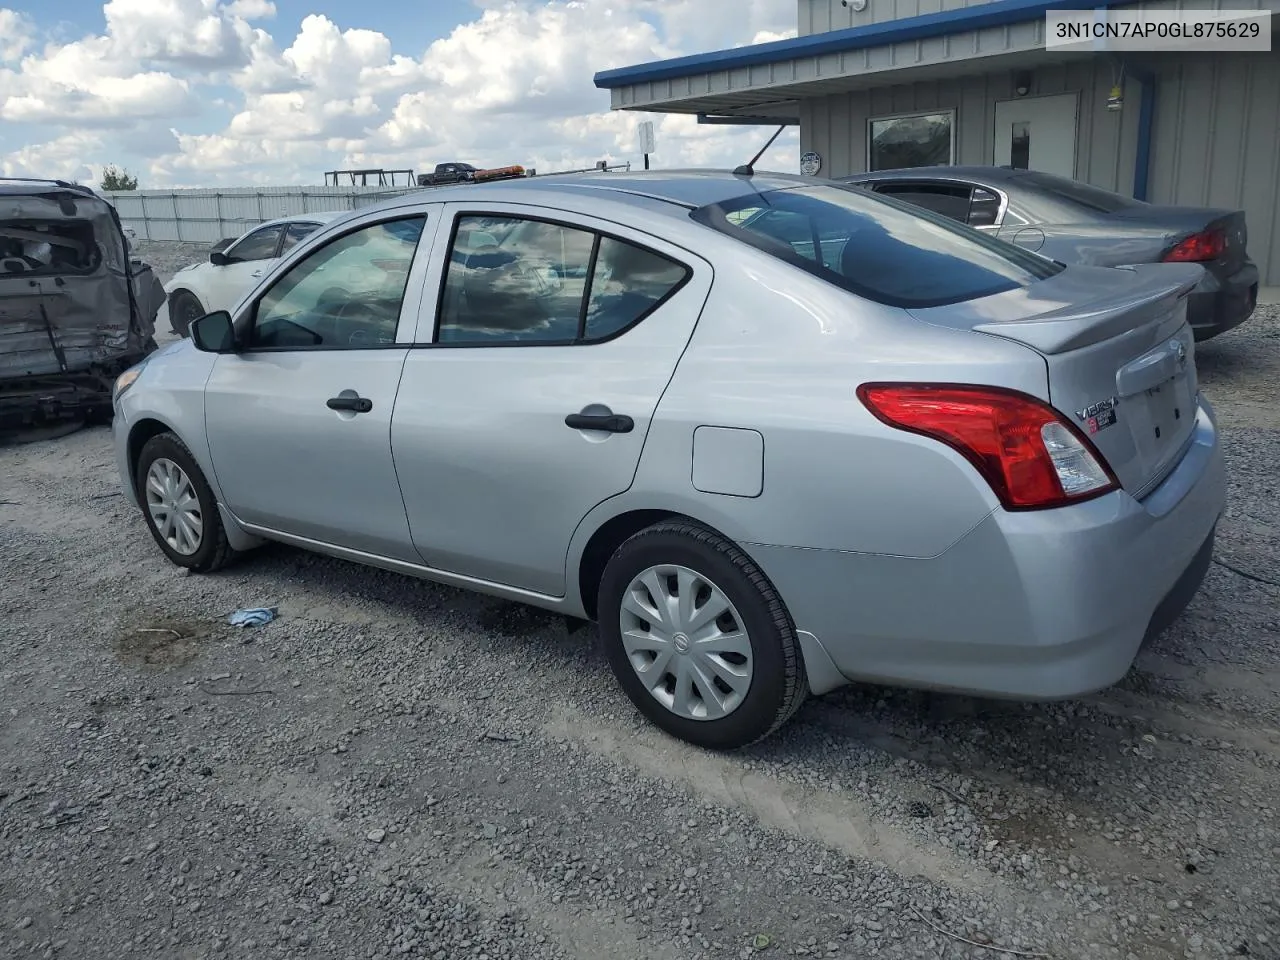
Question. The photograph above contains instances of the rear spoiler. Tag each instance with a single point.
(1068, 328)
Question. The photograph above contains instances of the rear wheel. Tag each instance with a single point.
(698, 637)
(179, 506)
(184, 309)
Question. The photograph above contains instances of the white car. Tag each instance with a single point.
(222, 281)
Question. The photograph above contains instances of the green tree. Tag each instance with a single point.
(116, 179)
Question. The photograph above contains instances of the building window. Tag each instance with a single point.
(1020, 146)
(911, 140)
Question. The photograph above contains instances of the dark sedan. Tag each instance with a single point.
(1073, 222)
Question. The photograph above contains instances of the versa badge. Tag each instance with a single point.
(1100, 415)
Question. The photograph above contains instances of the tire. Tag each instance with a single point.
(184, 309)
(776, 684)
(212, 551)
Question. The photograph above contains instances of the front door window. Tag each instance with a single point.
(345, 295)
(259, 245)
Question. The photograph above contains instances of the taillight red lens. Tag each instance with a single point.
(1199, 248)
(1031, 456)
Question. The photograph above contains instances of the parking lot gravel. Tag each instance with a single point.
(393, 768)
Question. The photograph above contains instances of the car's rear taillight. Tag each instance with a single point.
(1029, 454)
(1199, 247)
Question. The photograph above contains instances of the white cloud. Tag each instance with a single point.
(251, 9)
(514, 85)
(16, 34)
(190, 32)
(61, 159)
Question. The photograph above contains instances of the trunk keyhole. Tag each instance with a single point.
(1177, 414)
(1157, 433)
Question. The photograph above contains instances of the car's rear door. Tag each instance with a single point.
(299, 420)
(553, 340)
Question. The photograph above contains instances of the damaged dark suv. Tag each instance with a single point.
(75, 308)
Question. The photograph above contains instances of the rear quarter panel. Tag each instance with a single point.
(782, 353)
(1103, 246)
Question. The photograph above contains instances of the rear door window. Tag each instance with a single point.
(962, 202)
(877, 247)
(949, 199)
(296, 233)
(513, 280)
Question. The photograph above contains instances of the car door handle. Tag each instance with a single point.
(354, 404)
(608, 422)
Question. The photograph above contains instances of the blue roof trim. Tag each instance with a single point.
(996, 14)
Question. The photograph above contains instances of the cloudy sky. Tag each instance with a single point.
(242, 92)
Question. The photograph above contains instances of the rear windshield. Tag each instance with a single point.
(877, 247)
(1074, 192)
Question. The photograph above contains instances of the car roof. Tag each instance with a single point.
(675, 191)
(309, 217)
(31, 186)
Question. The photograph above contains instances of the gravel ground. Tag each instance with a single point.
(393, 768)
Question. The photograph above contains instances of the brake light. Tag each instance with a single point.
(1199, 247)
(1029, 454)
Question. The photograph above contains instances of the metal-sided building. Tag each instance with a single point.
(875, 84)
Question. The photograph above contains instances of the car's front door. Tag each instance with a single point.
(553, 342)
(299, 419)
(248, 259)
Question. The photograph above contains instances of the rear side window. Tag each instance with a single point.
(513, 280)
(877, 247)
(627, 284)
(984, 207)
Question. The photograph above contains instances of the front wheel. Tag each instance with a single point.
(698, 637)
(184, 309)
(179, 506)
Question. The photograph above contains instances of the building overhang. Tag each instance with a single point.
(765, 82)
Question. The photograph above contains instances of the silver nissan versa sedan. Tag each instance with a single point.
(773, 434)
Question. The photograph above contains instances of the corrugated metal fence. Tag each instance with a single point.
(206, 216)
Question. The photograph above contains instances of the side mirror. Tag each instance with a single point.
(214, 333)
(218, 258)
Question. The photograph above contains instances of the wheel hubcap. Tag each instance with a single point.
(174, 507)
(686, 642)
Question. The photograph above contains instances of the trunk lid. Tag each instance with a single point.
(1119, 354)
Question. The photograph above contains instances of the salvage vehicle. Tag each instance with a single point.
(234, 266)
(75, 308)
(447, 173)
(909, 453)
(1077, 223)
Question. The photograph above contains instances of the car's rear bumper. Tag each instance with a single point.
(1036, 605)
(1218, 305)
